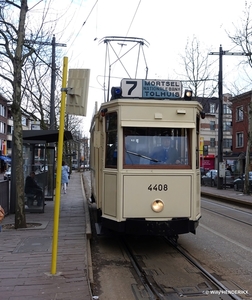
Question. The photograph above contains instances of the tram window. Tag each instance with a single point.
(141, 146)
(111, 140)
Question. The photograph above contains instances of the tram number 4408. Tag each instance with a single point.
(158, 187)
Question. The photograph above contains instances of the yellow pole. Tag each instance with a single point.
(59, 167)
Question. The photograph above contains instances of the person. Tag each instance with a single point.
(2, 213)
(31, 187)
(166, 153)
(69, 173)
(64, 176)
(229, 168)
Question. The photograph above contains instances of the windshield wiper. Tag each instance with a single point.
(143, 156)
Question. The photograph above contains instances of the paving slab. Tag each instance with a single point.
(26, 254)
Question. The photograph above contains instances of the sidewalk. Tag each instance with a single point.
(26, 254)
(228, 194)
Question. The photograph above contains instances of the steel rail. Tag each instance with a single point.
(214, 280)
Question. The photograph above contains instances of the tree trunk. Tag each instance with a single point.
(20, 219)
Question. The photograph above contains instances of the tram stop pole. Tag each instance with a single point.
(59, 167)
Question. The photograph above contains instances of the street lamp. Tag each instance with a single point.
(220, 122)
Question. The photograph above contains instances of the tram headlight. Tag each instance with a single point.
(157, 205)
(188, 95)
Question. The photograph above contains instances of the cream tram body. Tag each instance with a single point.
(133, 191)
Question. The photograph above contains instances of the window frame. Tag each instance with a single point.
(227, 125)
(227, 143)
(111, 132)
(212, 142)
(212, 125)
(239, 136)
(212, 108)
(148, 165)
(239, 113)
(227, 110)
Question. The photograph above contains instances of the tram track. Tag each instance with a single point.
(219, 285)
(159, 290)
(146, 269)
(227, 212)
(159, 269)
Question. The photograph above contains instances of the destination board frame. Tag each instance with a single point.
(152, 89)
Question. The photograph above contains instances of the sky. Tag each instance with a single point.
(166, 26)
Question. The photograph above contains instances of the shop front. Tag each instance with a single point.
(207, 162)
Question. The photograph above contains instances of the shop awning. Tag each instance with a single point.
(5, 158)
(235, 156)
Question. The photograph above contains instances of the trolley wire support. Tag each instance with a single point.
(122, 41)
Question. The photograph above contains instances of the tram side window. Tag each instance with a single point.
(111, 140)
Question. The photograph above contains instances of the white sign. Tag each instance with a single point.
(35, 125)
(152, 89)
(222, 168)
(131, 88)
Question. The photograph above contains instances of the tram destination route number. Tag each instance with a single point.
(158, 187)
(152, 89)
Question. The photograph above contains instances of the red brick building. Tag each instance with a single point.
(240, 127)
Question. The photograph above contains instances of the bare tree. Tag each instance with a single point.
(243, 35)
(243, 39)
(19, 59)
(197, 68)
(12, 48)
(36, 100)
(73, 124)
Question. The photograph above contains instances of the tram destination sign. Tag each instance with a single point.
(152, 89)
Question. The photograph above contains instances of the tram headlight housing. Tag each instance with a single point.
(157, 205)
(188, 95)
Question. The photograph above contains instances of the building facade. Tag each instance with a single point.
(209, 133)
(3, 132)
(240, 127)
(6, 129)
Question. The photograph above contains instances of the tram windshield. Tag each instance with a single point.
(156, 147)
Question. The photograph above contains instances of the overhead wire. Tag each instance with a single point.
(83, 23)
(133, 17)
(132, 20)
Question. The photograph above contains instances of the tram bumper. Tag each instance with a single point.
(160, 228)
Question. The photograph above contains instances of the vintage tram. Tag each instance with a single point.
(134, 190)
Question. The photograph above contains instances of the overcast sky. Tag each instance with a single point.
(165, 25)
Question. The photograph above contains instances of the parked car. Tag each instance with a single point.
(239, 182)
(7, 174)
(211, 178)
(74, 164)
(43, 168)
(202, 171)
(228, 180)
(208, 179)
